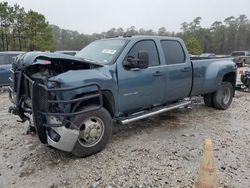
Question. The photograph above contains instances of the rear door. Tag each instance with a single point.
(141, 88)
(178, 71)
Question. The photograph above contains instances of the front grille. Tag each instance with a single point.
(47, 102)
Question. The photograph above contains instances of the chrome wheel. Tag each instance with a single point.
(91, 131)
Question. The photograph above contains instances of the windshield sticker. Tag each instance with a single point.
(108, 51)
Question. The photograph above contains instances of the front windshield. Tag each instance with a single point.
(102, 51)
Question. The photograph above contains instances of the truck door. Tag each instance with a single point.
(141, 88)
(178, 71)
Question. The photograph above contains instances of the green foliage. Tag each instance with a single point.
(24, 31)
(221, 37)
(39, 31)
(193, 45)
(71, 40)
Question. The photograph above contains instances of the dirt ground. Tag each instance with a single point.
(162, 151)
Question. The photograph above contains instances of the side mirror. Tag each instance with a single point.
(134, 63)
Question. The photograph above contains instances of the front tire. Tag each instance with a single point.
(222, 98)
(95, 130)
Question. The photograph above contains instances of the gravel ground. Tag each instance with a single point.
(162, 151)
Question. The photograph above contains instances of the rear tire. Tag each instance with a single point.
(95, 130)
(223, 96)
(208, 100)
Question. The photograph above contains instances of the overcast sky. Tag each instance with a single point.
(89, 16)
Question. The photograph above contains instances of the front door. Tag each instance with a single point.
(141, 88)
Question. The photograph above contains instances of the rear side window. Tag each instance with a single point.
(11, 58)
(2, 59)
(173, 52)
(235, 54)
(150, 47)
(7, 58)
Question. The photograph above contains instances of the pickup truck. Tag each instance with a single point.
(241, 58)
(74, 101)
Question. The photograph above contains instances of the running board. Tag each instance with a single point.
(145, 114)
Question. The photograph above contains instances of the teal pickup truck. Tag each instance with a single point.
(74, 100)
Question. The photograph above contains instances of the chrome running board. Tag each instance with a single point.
(158, 110)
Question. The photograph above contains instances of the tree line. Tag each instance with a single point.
(27, 31)
(220, 38)
(23, 31)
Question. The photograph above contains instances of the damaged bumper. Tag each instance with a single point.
(62, 138)
(51, 112)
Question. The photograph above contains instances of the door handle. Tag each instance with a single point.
(186, 69)
(157, 73)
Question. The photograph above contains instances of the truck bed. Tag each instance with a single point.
(204, 72)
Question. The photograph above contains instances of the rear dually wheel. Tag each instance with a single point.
(222, 98)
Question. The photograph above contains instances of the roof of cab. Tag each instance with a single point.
(138, 37)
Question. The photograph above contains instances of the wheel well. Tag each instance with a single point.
(108, 102)
(231, 78)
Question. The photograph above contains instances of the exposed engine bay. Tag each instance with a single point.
(42, 70)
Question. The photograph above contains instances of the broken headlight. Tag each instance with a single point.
(53, 84)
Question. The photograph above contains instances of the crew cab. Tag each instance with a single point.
(75, 101)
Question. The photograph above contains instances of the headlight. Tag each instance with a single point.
(53, 84)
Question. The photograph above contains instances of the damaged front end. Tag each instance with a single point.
(38, 93)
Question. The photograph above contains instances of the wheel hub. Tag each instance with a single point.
(91, 131)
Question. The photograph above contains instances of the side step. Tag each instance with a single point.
(145, 114)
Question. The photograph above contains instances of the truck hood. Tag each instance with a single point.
(79, 77)
(104, 76)
(25, 60)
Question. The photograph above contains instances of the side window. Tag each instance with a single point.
(150, 47)
(2, 59)
(173, 52)
(11, 58)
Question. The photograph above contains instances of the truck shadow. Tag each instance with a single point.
(169, 121)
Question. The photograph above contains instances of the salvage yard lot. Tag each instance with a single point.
(162, 151)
